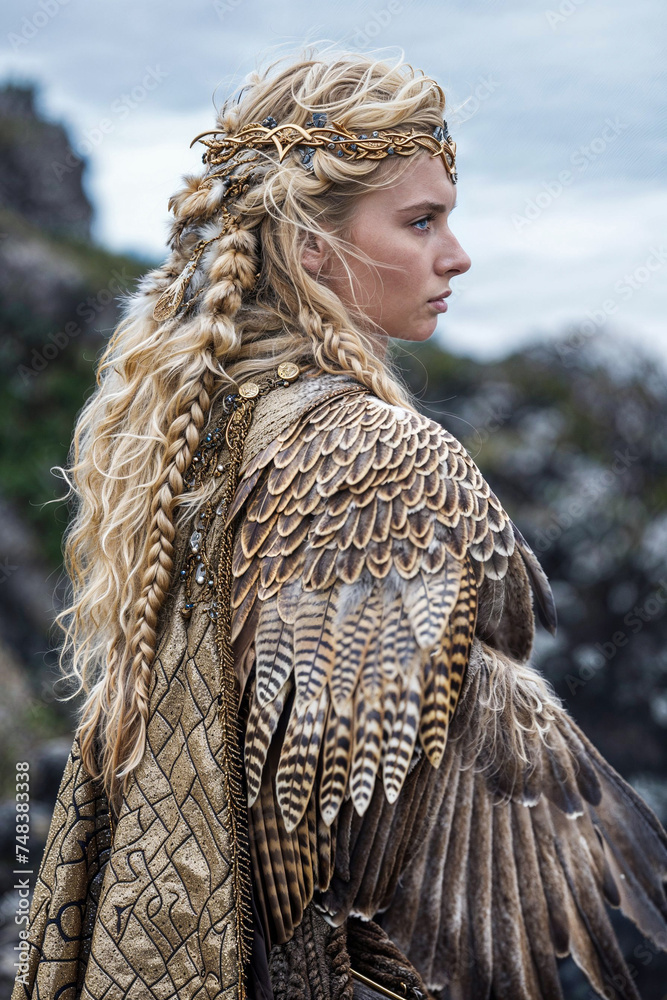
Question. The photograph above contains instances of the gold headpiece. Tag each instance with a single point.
(316, 134)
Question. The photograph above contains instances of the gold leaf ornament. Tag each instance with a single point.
(172, 298)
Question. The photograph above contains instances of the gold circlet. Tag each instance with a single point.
(332, 136)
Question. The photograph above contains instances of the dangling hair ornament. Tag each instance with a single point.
(316, 134)
(172, 298)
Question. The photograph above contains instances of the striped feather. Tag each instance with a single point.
(399, 748)
(314, 643)
(262, 723)
(274, 653)
(354, 633)
(336, 760)
(299, 756)
(429, 600)
(369, 717)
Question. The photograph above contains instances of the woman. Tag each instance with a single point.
(313, 755)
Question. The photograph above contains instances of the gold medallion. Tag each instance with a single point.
(288, 370)
(249, 390)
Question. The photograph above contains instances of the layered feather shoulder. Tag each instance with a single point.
(367, 536)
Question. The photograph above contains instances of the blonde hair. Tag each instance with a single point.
(253, 306)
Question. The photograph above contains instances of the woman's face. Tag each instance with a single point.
(405, 230)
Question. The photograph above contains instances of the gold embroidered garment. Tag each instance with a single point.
(396, 760)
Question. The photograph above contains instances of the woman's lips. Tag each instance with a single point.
(438, 304)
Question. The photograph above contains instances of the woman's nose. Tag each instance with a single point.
(465, 261)
(454, 258)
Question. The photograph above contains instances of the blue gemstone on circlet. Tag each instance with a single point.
(269, 122)
(390, 150)
(353, 147)
(363, 136)
(319, 119)
(375, 134)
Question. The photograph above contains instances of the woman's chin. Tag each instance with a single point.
(418, 332)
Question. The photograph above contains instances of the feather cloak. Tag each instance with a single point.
(403, 760)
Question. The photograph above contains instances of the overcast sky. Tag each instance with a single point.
(557, 108)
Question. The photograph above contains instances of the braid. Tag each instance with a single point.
(337, 344)
(231, 272)
(158, 559)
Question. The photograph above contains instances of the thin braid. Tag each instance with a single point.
(183, 439)
(230, 272)
(338, 345)
(186, 432)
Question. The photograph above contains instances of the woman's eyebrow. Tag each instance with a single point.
(427, 206)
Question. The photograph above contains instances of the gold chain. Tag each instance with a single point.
(241, 406)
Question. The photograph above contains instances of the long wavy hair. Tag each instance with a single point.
(254, 305)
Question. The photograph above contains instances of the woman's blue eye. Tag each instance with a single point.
(427, 218)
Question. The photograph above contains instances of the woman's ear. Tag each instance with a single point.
(314, 254)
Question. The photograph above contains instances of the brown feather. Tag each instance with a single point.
(299, 757)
